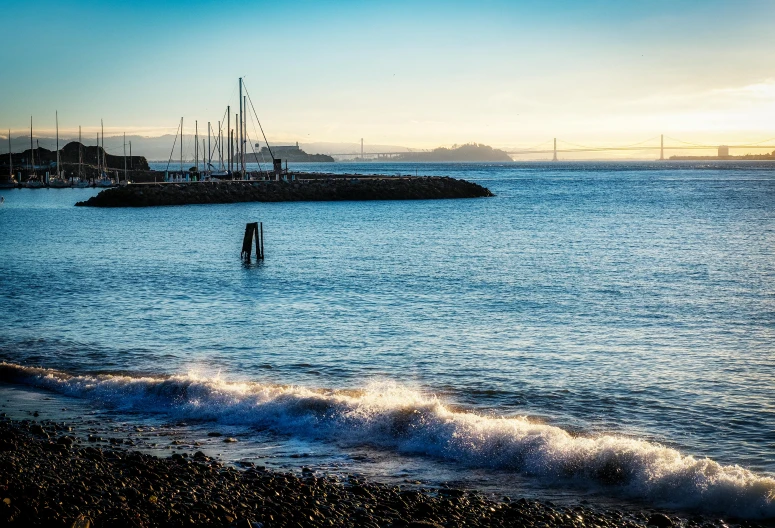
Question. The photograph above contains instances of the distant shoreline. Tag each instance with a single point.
(747, 157)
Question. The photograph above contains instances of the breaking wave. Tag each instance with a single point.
(394, 417)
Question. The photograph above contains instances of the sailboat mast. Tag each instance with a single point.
(104, 157)
(244, 134)
(220, 147)
(80, 152)
(99, 172)
(10, 156)
(209, 152)
(56, 116)
(32, 151)
(239, 134)
(125, 158)
(228, 133)
(181, 147)
(196, 144)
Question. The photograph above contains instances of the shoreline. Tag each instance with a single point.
(53, 472)
(51, 477)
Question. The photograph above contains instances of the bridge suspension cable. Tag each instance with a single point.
(598, 148)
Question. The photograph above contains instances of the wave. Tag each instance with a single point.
(394, 417)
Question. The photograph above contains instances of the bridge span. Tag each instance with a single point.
(722, 150)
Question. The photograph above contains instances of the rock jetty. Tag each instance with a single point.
(50, 475)
(313, 189)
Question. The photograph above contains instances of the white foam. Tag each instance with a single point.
(394, 417)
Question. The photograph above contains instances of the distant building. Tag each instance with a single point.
(723, 151)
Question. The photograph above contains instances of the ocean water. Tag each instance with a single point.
(594, 326)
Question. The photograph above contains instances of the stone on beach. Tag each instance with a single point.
(83, 486)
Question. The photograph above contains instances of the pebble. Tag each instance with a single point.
(80, 485)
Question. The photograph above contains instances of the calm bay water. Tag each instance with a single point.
(630, 304)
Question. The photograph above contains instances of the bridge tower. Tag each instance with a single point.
(555, 150)
(662, 147)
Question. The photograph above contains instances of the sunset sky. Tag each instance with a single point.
(420, 74)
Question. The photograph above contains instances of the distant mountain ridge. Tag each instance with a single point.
(160, 148)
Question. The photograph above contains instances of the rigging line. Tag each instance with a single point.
(257, 119)
(261, 152)
(247, 136)
(214, 149)
(231, 97)
(252, 146)
(173, 148)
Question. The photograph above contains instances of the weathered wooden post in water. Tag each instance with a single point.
(252, 229)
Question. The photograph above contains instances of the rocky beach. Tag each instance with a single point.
(305, 188)
(54, 473)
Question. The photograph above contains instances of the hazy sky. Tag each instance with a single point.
(420, 74)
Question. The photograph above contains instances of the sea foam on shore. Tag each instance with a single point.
(394, 417)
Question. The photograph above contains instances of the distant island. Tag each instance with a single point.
(292, 153)
(468, 152)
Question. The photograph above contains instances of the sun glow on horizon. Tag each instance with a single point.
(505, 74)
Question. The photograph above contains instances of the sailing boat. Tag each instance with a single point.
(58, 181)
(104, 180)
(11, 182)
(32, 182)
(80, 182)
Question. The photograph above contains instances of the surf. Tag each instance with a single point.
(393, 417)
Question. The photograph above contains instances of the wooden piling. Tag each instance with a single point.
(251, 230)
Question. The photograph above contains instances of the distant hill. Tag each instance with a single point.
(69, 153)
(158, 148)
(292, 153)
(468, 152)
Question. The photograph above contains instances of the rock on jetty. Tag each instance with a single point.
(50, 476)
(314, 189)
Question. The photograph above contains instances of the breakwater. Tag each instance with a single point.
(312, 189)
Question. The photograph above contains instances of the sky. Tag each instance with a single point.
(511, 74)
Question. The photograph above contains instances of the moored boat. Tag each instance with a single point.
(11, 182)
(34, 183)
(104, 182)
(59, 183)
